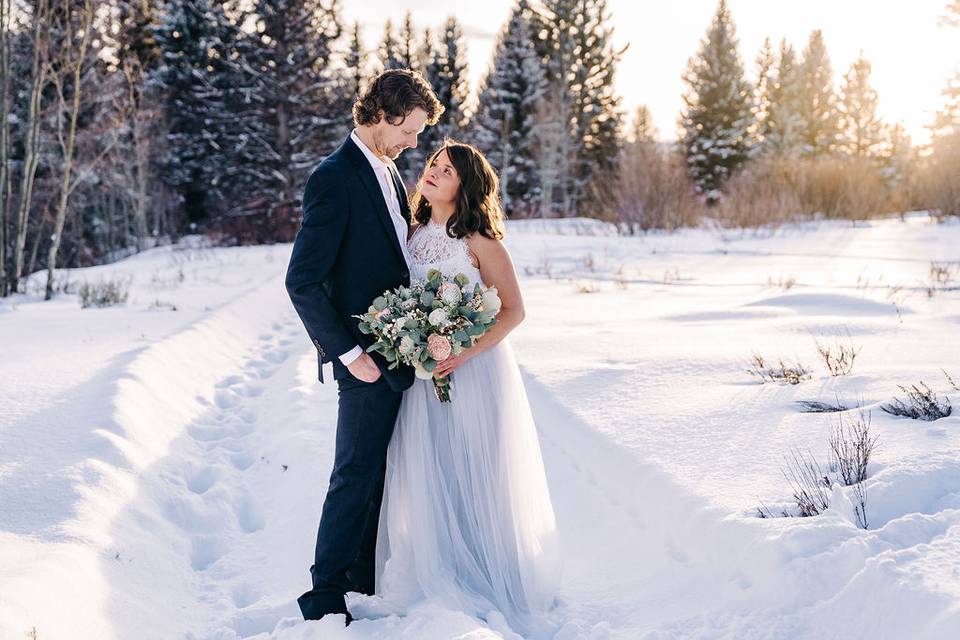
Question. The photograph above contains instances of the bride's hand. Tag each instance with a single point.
(446, 367)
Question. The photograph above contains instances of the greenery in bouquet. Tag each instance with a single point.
(423, 324)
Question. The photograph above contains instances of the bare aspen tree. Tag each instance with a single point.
(138, 117)
(42, 22)
(70, 61)
(5, 179)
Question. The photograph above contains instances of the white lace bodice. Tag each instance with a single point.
(431, 248)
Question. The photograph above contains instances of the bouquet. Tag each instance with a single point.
(424, 323)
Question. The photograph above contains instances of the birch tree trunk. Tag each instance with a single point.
(41, 28)
(76, 61)
(5, 179)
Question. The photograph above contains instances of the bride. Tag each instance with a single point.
(466, 520)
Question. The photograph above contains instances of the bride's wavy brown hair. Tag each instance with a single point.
(477, 208)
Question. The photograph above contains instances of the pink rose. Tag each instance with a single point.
(439, 347)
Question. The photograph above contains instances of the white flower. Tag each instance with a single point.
(420, 372)
(491, 301)
(406, 345)
(450, 293)
(438, 317)
(398, 324)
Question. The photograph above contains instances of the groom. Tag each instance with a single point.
(351, 247)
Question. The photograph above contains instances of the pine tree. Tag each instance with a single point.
(411, 163)
(579, 124)
(766, 63)
(291, 111)
(502, 127)
(197, 43)
(597, 116)
(446, 72)
(782, 125)
(448, 76)
(946, 127)
(944, 163)
(862, 130)
(135, 38)
(642, 128)
(356, 61)
(817, 99)
(947, 121)
(718, 103)
(896, 157)
(407, 47)
(389, 50)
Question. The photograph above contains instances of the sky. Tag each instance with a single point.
(911, 54)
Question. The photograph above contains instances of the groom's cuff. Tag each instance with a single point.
(351, 355)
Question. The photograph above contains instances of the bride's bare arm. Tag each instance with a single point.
(496, 269)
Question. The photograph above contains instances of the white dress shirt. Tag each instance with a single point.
(390, 197)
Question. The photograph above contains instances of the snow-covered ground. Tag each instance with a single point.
(152, 460)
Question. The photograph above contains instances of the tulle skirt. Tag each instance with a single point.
(467, 520)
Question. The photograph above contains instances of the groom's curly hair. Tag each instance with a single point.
(397, 92)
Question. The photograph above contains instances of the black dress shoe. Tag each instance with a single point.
(314, 605)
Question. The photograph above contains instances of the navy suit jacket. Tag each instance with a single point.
(346, 253)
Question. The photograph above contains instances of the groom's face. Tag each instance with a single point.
(392, 139)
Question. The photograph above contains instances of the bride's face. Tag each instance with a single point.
(440, 181)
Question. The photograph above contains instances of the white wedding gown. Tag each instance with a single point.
(467, 520)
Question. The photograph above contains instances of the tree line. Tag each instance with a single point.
(785, 142)
(125, 123)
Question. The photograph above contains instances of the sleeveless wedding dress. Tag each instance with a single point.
(466, 520)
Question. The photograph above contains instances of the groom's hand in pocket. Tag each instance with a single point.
(364, 368)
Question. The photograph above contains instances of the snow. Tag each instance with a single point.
(152, 461)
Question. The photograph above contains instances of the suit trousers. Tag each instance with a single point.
(346, 539)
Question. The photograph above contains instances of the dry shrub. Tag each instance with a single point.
(849, 188)
(759, 194)
(938, 186)
(922, 404)
(838, 357)
(654, 191)
(107, 293)
(774, 190)
(781, 372)
(852, 445)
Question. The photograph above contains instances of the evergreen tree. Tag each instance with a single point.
(502, 127)
(643, 129)
(862, 130)
(946, 127)
(896, 157)
(291, 111)
(407, 47)
(782, 124)
(578, 128)
(944, 163)
(389, 50)
(447, 74)
(196, 41)
(718, 107)
(946, 124)
(766, 64)
(429, 62)
(356, 61)
(135, 38)
(817, 99)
